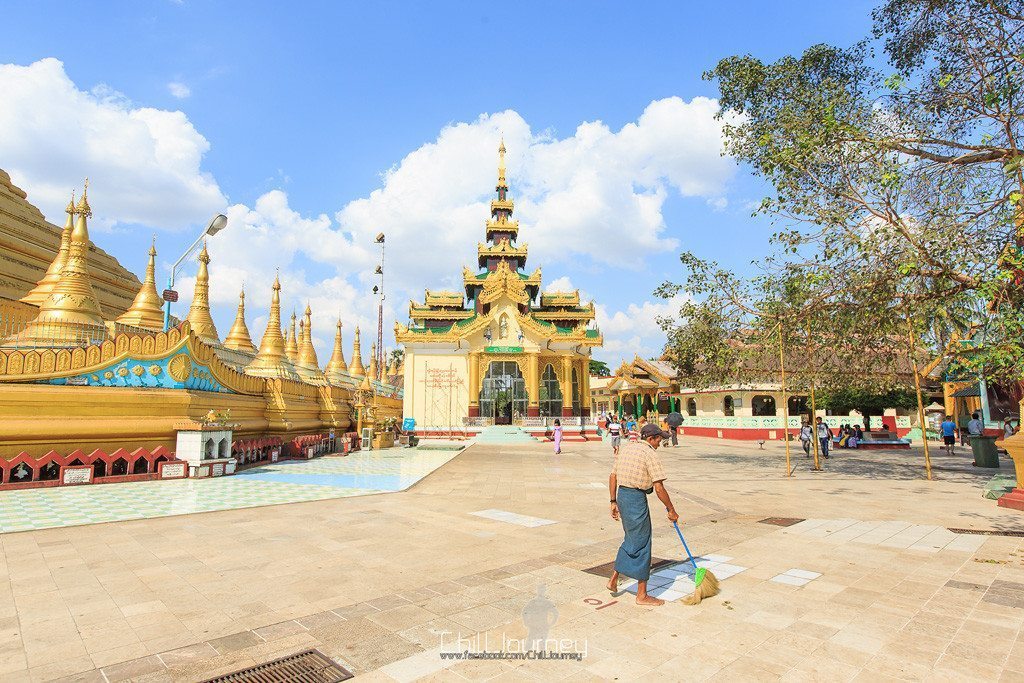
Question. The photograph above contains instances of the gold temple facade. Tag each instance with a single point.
(500, 352)
(89, 366)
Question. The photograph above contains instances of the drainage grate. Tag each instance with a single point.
(311, 666)
(988, 532)
(606, 569)
(780, 521)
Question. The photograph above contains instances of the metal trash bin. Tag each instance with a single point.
(985, 453)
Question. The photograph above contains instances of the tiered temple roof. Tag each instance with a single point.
(502, 273)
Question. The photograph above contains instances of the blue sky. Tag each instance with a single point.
(293, 114)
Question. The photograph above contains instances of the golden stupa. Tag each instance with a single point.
(70, 314)
(271, 361)
(308, 365)
(238, 336)
(336, 366)
(147, 309)
(199, 314)
(291, 344)
(43, 288)
(356, 368)
(373, 371)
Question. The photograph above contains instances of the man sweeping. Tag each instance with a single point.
(636, 473)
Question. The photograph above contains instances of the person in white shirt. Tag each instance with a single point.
(614, 428)
(806, 434)
(824, 436)
(975, 427)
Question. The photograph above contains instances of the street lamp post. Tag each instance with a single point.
(215, 225)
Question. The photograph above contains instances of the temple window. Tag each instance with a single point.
(727, 406)
(141, 466)
(797, 405)
(99, 469)
(691, 407)
(49, 471)
(119, 467)
(575, 392)
(21, 472)
(763, 406)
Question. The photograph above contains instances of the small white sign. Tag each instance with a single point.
(76, 475)
(172, 470)
(218, 469)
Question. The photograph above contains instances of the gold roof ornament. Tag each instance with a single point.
(43, 288)
(238, 336)
(291, 344)
(501, 164)
(336, 366)
(374, 372)
(147, 309)
(199, 314)
(308, 366)
(70, 315)
(504, 282)
(355, 368)
(271, 361)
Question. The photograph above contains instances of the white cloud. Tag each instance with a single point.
(574, 196)
(143, 164)
(179, 90)
(562, 284)
(634, 331)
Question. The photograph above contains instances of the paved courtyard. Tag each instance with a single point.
(873, 577)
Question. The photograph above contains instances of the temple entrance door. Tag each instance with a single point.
(503, 396)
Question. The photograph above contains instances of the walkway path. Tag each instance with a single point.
(381, 583)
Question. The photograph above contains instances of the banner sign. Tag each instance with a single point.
(503, 349)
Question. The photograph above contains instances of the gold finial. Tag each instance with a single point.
(44, 286)
(238, 336)
(374, 370)
(356, 368)
(336, 365)
(308, 365)
(501, 162)
(199, 314)
(83, 203)
(147, 308)
(291, 344)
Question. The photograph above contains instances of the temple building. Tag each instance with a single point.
(93, 388)
(501, 351)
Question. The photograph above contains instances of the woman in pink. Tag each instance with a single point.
(558, 437)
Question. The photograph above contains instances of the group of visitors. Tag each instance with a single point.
(850, 436)
(974, 427)
(823, 433)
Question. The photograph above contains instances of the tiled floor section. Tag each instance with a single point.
(923, 537)
(284, 482)
(377, 581)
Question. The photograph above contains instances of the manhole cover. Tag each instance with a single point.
(780, 521)
(311, 666)
(988, 532)
(606, 569)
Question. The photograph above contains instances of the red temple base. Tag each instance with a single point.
(532, 411)
(1013, 500)
(474, 411)
(567, 412)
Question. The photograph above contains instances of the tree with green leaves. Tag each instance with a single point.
(897, 190)
(598, 368)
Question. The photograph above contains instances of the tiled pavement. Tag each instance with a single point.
(272, 484)
(375, 581)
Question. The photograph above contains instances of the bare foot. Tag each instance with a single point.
(649, 601)
(613, 583)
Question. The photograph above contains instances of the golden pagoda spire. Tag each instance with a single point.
(199, 314)
(147, 309)
(43, 288)
(374, 370)
(308, 365)
(238, 336)
(356, 368)
(336, 365)
(271, 360)
(501, 163)
(70, 315)
(291, 344)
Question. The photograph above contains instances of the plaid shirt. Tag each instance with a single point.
(638, 466)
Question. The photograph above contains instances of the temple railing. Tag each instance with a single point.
(48, 335)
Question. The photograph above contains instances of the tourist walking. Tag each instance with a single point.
(948, 428)
(637, 472)
(824, 436)
(674, 421)
(558, 437)
(806, 434)
(614, 428)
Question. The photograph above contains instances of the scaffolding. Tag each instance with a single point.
(445, 397)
